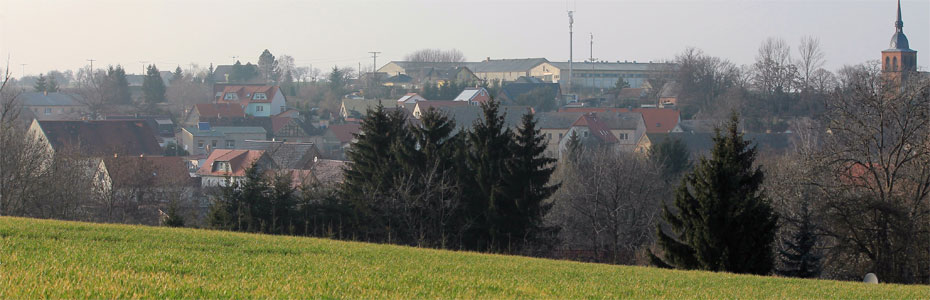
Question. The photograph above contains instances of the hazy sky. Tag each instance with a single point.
(47, 35)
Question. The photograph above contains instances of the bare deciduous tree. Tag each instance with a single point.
(608, 205)
(435, 55)
(810, 59)
(876, 175)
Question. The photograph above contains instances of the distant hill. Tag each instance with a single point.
(55, 259)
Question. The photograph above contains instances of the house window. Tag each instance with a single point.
(624, 136)
(259, 96)
(560, 136)
(586, 133)
(230, 143)
(259, 108)
(48, 111)
(199, 144)
(213, 143)
(231, 96)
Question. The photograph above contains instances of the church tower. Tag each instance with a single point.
(899, 57)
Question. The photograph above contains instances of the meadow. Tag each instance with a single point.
(56, 259)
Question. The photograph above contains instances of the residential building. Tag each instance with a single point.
(411, 98)
(287, 155)
(213, 113)
(338, 137)
(423, 106)
(357, 108)
(474, 96)
(658, 120)
(229, 165)
(201, 139)
(620, 130)
(97, 138)
(53, 106)
(149, 182)
(257, 100)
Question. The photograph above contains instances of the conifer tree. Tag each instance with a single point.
(373, 167)
(52, 85)
(40, 85)
(799, 257)
(489, 141)
(115, 86)
(721, 220)
(174, 217)
(526, 183)
(153, 87)
(673, 155)
(178, 75)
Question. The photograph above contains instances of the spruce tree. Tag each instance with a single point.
(673, 155)
(573, 147)
(373, 168)
(153, 87)
(40, 85)
(526, 183)
(115, 86)
(178, 75)
(52, 86)
(174, 217)
(721, 220)
(490, 149)
(799, 257)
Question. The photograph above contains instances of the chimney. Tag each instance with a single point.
(488, 59)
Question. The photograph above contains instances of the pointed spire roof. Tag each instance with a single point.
(899, 40)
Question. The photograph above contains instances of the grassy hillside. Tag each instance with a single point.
(41, 258)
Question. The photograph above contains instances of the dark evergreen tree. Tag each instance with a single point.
(41, 85)
(153, 87)
(283, 205)
(174, 217)
(721, 220)
(373, 168)
(52, 86)
(673, 155)
(268, 66)
(338, 81)
(243, 73)
(209, 79)
(490, 149)
(178, 75)
(526, 182)
(115, 87)
(800, 257)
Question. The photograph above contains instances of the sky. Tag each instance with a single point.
(41, 35)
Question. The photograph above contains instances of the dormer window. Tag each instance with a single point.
(231, 96)
(259, 96)
(221, 166)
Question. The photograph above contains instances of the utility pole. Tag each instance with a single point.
(143, 67)
(91, 68)
(571, 22)
(374, 64)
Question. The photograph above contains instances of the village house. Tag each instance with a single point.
(201, 139)
(488, 70)
(213, 113)
(618, 130)
(474, 96)
(257, 100)
(53, 106)
(411, 98)
(601, 75)
(337, 138)
(286, 155)
(229, 165)
(658, 120)
(356, 109)
(97, 138)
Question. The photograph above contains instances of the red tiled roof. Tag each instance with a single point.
(345, 132)
(239, 161)
(597, 128)
(245, 93)
(658, 120)
(278, 123)
(102, 137)
(220, 110)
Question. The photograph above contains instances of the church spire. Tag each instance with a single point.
(899, 25)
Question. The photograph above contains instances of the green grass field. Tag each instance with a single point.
(54, 259)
